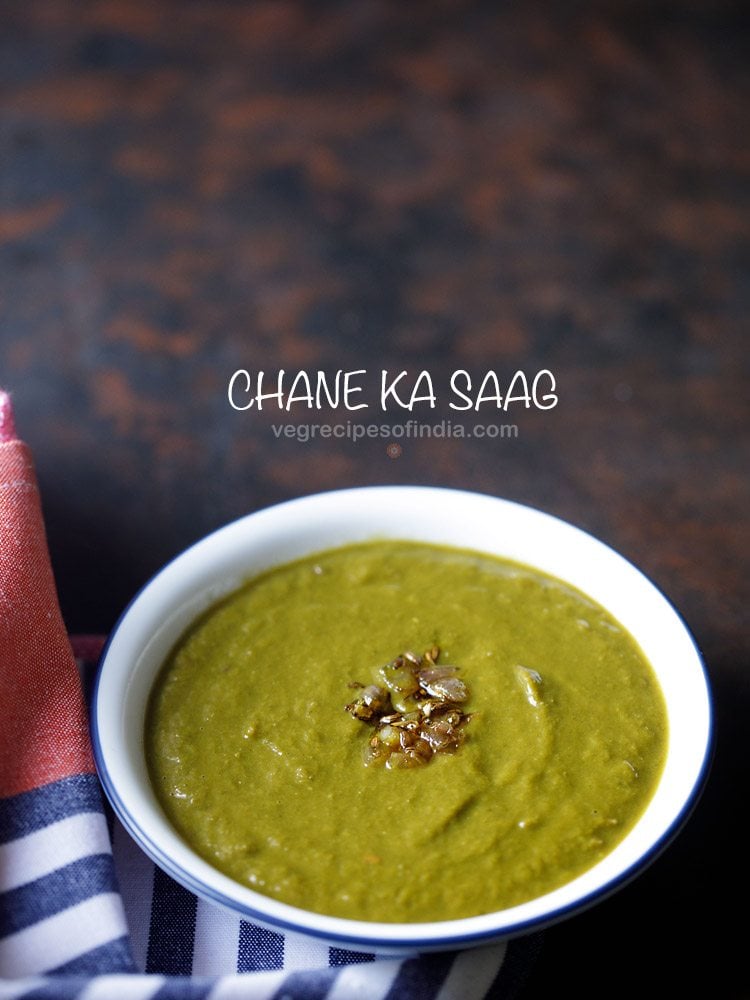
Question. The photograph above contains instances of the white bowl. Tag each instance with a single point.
(221, 562)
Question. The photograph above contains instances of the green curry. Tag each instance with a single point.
(261, 769)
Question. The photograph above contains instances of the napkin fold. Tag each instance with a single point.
(76, 920)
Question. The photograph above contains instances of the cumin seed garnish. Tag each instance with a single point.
(417, 698)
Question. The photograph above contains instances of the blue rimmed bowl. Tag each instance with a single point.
(221, 562)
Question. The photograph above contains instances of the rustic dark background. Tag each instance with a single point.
(193, 187)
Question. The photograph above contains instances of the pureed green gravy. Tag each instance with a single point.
(259, 767)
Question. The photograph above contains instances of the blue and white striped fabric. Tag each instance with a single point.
(85, 915)
(60, 908)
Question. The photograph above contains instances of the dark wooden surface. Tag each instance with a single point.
(190, 188)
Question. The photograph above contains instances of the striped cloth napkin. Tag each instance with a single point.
(83, 912)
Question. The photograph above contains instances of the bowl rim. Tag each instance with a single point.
(371, 935)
